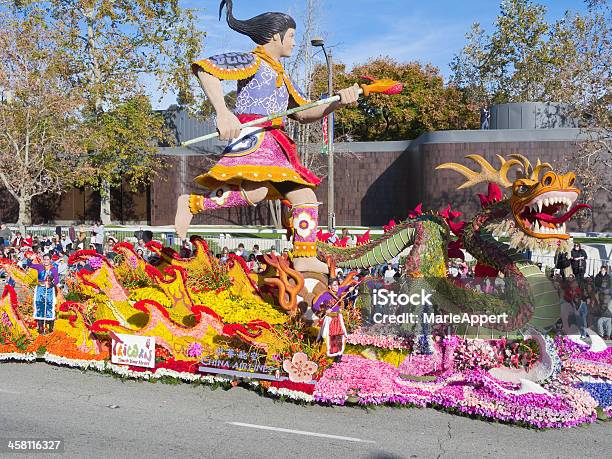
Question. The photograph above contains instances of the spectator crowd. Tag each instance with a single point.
(589, 298)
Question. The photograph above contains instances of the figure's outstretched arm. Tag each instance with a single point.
(348, 96)
(227, 123)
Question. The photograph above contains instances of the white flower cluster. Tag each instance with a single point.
(98, 365)
(124, 371)
(18, 356)
(292, 394)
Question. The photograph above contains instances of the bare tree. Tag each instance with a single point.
(582, 78)
(308, 137)
(41, 135)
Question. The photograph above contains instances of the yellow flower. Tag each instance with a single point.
(237, 309)
(150, 293)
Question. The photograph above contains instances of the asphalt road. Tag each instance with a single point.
(100, 416)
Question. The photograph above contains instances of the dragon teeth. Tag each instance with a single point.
(539, 203)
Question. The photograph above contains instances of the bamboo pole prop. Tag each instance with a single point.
(388, 87)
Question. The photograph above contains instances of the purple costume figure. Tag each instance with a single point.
(333, 330)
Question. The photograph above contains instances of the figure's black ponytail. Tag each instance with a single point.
(261, 28)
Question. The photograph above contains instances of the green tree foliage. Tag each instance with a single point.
(112, 48)
(121, 131)
(426, 104)
(513, 63)
(41, 132)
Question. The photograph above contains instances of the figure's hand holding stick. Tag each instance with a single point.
(388, 87)
(346, 292)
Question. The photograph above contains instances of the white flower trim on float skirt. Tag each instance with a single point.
(124, 371)
(17, 356)
(98, 365)
(291, 394)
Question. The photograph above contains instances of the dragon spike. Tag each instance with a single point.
(487, 172)
(540, 167)
(530, 172)
(524, 161)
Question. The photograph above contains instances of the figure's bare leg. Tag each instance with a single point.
(305, 215)
(248, 194)
(183, 216)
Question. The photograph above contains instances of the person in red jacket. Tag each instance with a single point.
(19, 241)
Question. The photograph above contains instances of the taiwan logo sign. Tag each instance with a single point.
(133, 350)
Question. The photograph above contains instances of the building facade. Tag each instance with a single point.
(374, 181)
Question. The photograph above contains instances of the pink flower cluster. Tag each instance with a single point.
(478, 393)
(476, 353)
(589, 368)
(393, 342)
(6, 320)
(195, 350)
(421, 365)
(604, 357)
(473, 392)
(440, 364)
(578, 359)
(95, 262)
(370, 382)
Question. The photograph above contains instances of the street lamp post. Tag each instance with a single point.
(331, 215)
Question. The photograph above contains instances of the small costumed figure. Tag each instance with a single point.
(329, 307)
(261, 162)
(45, 293)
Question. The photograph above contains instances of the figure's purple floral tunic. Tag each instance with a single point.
(261, 154)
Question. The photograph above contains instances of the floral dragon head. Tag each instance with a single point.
(541, 201)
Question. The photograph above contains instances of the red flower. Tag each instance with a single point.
(418, 210)
(323, 237)
(449, 215)
(494, 195)
(388, 227)
(364, 239)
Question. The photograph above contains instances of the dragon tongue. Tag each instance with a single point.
(563, 218)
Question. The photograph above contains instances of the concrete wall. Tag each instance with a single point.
(375, 181)
(378, 181)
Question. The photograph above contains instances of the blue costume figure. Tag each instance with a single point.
(45, 294)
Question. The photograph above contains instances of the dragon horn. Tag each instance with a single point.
(487, 172)
(540, 167)
(524, 162)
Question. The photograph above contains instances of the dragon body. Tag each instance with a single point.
(529, 217)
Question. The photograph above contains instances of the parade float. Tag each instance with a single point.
(200, 321)
(295, 332)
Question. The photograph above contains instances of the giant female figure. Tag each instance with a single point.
(260, 163)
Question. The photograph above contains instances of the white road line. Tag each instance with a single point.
(2, 391)
(300, 432)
